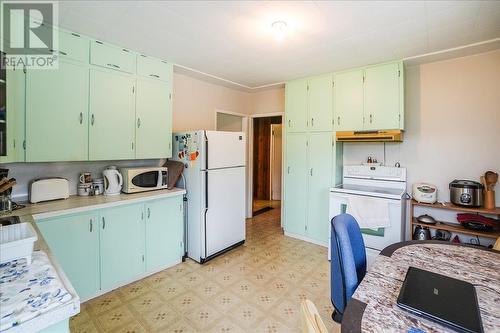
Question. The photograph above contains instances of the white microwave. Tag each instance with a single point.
(144, 179)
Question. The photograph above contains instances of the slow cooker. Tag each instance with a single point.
(466, 193)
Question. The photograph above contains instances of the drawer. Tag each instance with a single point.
(154, 68)
(74, 46)
(112, 57)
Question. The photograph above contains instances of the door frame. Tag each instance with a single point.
(272, 162)
(250, 158)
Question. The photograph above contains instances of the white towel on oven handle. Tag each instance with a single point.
(369, 212)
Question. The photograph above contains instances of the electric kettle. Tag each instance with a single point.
(113, 181)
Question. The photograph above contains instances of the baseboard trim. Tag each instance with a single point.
(306, 239)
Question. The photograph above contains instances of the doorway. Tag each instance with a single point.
(267, 159)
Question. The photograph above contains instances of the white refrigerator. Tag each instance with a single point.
(215, 182)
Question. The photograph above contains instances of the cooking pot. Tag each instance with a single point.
(466, 193)
(421, 233)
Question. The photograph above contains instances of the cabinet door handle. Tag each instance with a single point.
(91, 225)
(113, 65)
(81, 118)
(138, 122)
(338, 120)
(149, 212)
(312, 122)
(92, 120)
(311, 171)
(371, 118)
(288, 170)
(103, 223)
(289, 123)
(154, 75)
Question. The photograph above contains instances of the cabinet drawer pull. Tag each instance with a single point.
(81, 118)
(92, 120)
(154, 75)
(103, 223)
(113, 65)
(75, 34)
(138, 122)
(60, 52)
(90, 225)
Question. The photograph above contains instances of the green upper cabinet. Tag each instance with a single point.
(164, 232)
(57, 113)
(320, 93)
(153, 119)
(122, 244)
(73, 46)
(296, 106)
(112, 57)
(112, 115)
(348, 101)
(296, 172)
(74, 240)
(154, 68)
(383, 106)
(320, 166)
(14, 116)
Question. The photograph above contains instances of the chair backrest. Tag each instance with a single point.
(348, 260)
(311, 320)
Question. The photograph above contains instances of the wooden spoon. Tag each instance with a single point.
(491, 179)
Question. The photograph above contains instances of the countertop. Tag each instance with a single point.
(76, 204)
(73, 204)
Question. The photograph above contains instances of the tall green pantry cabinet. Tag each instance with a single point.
(312, 158)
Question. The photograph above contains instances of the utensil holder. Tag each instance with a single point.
(489, 199)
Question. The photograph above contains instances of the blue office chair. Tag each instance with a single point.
(348, 262)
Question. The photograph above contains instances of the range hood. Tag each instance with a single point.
(370, 136)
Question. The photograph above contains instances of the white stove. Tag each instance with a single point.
(379, 185)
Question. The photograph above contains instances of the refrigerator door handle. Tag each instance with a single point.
(206, 190)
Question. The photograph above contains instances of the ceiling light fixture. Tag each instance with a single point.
(279, 30)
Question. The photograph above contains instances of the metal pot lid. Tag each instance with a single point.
(462, 183)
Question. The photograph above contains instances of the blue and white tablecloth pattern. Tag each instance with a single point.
(28, 291)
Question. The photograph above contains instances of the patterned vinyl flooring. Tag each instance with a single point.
(257, 287)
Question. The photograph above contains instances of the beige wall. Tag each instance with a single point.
(269, 101)
(195, 102)
(452, 111)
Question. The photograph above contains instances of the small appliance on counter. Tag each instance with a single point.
(46, 189)
(424, 192)
(113, 181)
(144, 179)
(466, 193)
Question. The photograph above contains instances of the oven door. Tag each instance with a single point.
(375, 239)
(147, 180)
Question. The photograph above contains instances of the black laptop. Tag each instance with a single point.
(445, 300)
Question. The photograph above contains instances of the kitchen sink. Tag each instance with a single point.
(8, 220)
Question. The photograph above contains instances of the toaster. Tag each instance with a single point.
(46, 189)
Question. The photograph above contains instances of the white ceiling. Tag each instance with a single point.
(232, 39)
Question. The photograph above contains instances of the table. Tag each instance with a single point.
(373, 306)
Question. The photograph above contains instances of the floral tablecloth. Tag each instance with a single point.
(27, 291)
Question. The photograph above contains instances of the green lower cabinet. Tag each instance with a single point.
(295, 200)
(164, 232)
(122, 244)
(320, 166)
(74, 240)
